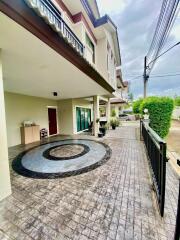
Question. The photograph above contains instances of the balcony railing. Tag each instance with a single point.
(47, 10)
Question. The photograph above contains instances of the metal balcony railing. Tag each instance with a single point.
(47, 10)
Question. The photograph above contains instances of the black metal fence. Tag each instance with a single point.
(156, 151)
(177, 231)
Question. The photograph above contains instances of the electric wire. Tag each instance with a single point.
(168, 14)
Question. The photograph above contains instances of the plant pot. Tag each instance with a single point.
(102, 130)
(100, 135)
(113, 127)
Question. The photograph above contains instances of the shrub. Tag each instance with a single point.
(114, 122)
(177, 101)
(113, 113)
(160, 111)
(136, 106)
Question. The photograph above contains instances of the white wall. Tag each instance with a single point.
(65, 116)
(20, 108)
(101, 57)
(5, 185)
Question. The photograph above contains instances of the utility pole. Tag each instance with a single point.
(145, 76)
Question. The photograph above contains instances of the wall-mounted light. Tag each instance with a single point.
(55, 94)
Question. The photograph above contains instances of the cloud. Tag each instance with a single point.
(136, 21)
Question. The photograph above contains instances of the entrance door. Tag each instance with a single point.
(52, 121)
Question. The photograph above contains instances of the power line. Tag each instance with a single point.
(163, 53)
(157, 76)
(167, 16)
(166, 25)
(166, 31)
(167, 75)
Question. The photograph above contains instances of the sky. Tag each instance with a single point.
(136, 21)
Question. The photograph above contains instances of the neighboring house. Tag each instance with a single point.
(117, 104)
(120, 101)
(57, 60)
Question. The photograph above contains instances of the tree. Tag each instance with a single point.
(130, 96)
(136, 105)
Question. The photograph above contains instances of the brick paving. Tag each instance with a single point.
(112, 202)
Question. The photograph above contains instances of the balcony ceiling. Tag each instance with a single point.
(32, 68)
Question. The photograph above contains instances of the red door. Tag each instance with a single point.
(52, 121)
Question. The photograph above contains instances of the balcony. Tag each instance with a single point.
(46, 10)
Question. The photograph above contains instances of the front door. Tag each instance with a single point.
(52, 121)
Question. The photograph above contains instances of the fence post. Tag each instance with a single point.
(163, 175)
(177, 230)
(141, 138)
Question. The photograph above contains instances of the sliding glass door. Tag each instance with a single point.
(83, 118)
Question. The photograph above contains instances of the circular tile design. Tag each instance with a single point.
(66, 151)
(41, 161)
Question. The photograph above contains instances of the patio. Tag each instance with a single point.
(113, 201)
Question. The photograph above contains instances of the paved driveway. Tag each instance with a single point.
(114, 201)
(173, 138)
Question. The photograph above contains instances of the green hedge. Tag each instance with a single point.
(136, 105)
(160, 111)
(177, 101)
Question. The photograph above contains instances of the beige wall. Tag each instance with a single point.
(5, 185)
(65, 116)
(101, 56)
(20, 108)
(79, 31)
(79, 103)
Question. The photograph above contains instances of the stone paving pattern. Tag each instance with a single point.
(113, 202)
(66, 151)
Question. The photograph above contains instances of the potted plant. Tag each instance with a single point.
(114, 122)
(103, 129)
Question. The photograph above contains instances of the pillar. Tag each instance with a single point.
(95, 115)
(108, 110)
(117, 110)
(5, 184)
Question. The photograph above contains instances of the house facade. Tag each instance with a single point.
(58, 59)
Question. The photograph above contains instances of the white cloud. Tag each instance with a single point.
(136, 21)
(111, 7)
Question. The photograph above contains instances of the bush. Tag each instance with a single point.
(113, 113)
(160, 111)
(114, 122)
(136, 106)
(177, 101)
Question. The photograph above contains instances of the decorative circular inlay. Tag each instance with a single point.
(42, 161)
(66, 151)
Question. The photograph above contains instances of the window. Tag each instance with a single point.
(91, 46)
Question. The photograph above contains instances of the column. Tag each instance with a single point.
(5, 185)
(95, 115)
(108, 110)
(117, 110)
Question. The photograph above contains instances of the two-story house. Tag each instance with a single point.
(57, 60)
